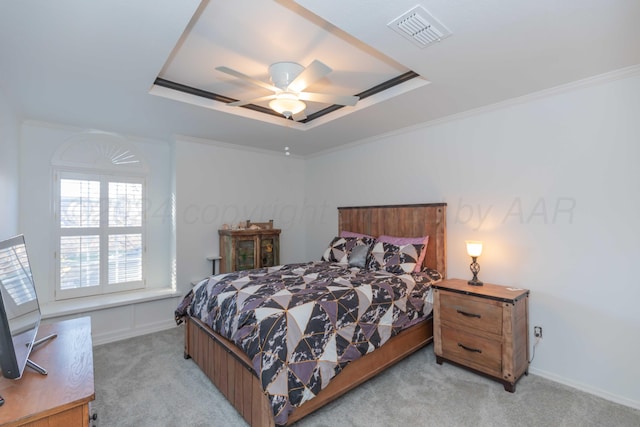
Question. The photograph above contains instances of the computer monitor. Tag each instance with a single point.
(19, 309)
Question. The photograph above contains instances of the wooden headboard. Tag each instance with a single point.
(402, 221)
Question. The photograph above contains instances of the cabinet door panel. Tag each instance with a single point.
(268, 252)
(245, 254)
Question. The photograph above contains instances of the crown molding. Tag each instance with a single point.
(611, 76)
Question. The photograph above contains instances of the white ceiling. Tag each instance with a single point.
(94, 63)
(258, 34)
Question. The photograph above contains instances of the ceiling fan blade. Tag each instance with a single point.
(238, 74)
(250, 101)
(314, 72)
(327, 98)
(299, 116)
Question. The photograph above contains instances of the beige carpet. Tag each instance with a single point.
(145, 381)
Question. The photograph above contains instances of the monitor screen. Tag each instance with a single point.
(19, 309)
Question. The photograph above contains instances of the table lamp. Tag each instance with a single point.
(474, 249)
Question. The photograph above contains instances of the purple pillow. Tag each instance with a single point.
(401, 241)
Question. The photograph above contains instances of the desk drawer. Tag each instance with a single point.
(473, 351)
(471, 312)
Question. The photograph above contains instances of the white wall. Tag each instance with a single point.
(551, 187)
(9, 142)
(210, 184)
(38, 144)
(217, 184)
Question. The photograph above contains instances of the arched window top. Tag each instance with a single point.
(98, 150)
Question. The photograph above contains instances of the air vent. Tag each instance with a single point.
(418, 26)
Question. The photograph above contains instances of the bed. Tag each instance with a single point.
(233, 371)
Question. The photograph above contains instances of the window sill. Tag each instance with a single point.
(101, 302)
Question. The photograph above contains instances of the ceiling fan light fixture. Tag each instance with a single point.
(287, 104)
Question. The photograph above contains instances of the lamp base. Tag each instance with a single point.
(475, 268)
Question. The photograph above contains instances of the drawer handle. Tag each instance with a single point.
(464, 313)
(473, 350)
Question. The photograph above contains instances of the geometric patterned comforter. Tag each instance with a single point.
(301, 324)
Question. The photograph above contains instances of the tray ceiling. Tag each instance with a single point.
(94, 64)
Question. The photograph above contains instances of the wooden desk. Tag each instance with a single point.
(62, 397)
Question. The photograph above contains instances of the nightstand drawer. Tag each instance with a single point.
(473, 351)
(471, 312)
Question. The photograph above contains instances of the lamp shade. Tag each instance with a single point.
(474, 248)
(287, 103)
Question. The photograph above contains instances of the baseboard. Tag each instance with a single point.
(586, 388)
(112, 336)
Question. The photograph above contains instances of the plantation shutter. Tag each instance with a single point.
(125, 238)
(101, 235)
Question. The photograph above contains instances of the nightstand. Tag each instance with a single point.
(482, 328)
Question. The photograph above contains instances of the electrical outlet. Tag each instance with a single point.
(537, 331)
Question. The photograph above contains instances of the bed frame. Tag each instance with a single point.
(230, 369)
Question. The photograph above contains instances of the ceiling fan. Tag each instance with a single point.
(289, 80)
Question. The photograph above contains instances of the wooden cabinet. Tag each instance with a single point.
(483, 328)
(62, 397)
(247, 249)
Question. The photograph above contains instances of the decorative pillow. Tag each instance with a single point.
(358, 256)
(352, 234)
(393, 258)
(340, 248)
(401, 241)
(428, 275)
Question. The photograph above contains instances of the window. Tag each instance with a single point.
(16, 275)
(101, 234)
